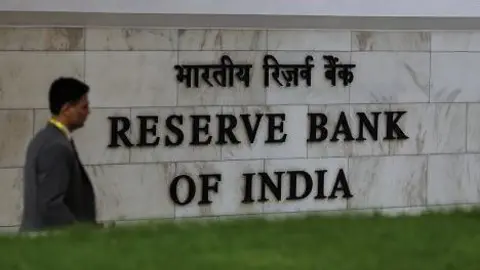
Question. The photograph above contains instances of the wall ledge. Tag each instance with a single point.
(85, 19)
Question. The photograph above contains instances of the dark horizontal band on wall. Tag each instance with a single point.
(16, 18)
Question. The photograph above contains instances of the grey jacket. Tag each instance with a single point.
(57, 189)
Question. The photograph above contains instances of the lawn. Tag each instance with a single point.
(433, 241)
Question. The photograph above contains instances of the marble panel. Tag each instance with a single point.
(292, 128)
(390, 77)
(314, 179)
(25, 77)
(184, 151)
(222, 39)
(319, 92)
(240, 93)
(454, 77)
(455, 41)
(309, 40)
(453, 179)
(92, 139)
(366, 143)
(226, 194)
(130, 79)
(473, 127)
(431, 128)
(41, 39)
(326, 147)
(385, 182)
(353, 137)
(132, 191)
(390, 41)
(11, 196)
(130, 39)
(17, 130)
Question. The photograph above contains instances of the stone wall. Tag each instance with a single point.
(429, 76)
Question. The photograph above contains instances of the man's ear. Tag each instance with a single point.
(65, 108)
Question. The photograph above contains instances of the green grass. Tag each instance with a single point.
(433, 241)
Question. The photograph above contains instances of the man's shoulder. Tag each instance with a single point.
(47, 138)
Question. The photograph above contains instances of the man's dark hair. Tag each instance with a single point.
(65, 90)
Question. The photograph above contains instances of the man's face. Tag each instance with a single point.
(78, 112)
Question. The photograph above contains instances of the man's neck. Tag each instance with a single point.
(61, 124)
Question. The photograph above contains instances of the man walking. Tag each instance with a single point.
(57, 189)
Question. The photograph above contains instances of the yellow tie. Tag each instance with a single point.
(59, 126)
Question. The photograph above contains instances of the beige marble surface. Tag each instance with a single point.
(453, 179)
(344, 146)
(230, 189)
(42, 39)
(383, 182)
(132, 191)
(15, 133)
(238, 94)
(222, 40)
(294, 130)
(473, 127)
(332, 166)
(391, 41)
(25, 77)
(131, 79)
(390, 77)
(130, 39)
(432, 128)
(456, 41)
(183, 152)
(319, 92)
(307, 40)
(10, 197)
(430, 75)
(454, 77)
